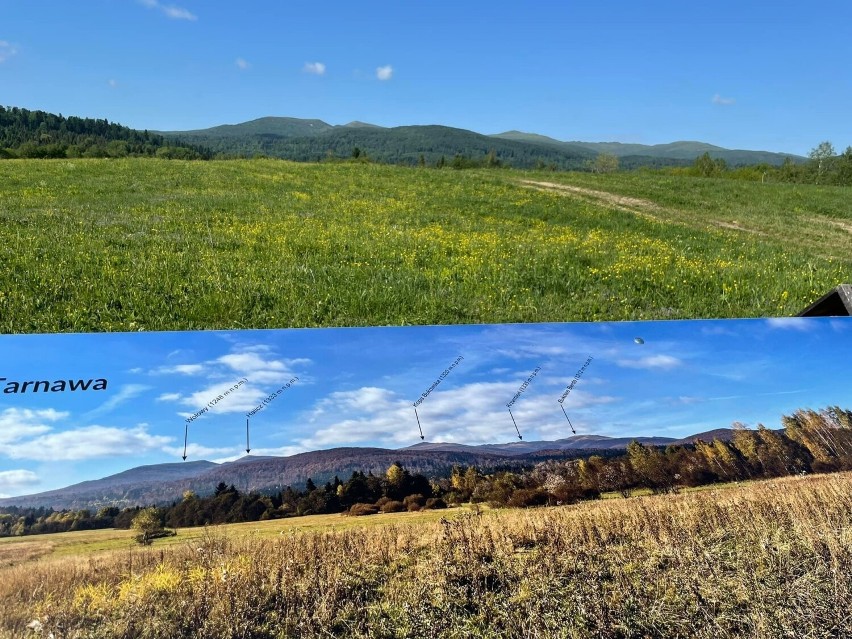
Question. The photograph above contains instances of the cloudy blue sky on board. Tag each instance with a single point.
(357, 387)
(757, 74)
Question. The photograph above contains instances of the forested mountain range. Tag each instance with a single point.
(810, 441)
(314, 140)
(38, 134)
(163, 483)
(682, 150)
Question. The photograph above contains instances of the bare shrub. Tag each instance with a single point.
(393, 507)
(435, 503)
(359, 509)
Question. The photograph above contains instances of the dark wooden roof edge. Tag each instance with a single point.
(836, 303)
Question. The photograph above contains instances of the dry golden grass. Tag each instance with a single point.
(18, 550)
(24, 551)
(772, 559)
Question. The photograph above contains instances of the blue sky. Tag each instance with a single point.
(357, 386)
(757, 74)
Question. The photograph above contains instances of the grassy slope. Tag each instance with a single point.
(126, 245)
(159, 245)
(816, 218)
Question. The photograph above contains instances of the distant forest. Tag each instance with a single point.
(433, 146)
(811, 441)
(825, 167)
(38, 134)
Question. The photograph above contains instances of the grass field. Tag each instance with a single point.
(15, 551)
(100, 245)
(140, 244)
(771, 559)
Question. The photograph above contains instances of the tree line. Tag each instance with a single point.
(825, 166)
(396, 490)
(810, 441)
(38, 134)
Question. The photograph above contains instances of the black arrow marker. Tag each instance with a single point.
(248, 448)
(185, 435)
(515, 423)
(569, 421)
(418, 424)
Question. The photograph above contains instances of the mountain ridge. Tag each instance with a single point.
(313, 139)
(164, 483)
(676, 150)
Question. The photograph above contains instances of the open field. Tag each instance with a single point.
(771, 559)
(141, 244)
(15, 551)
(820, 217)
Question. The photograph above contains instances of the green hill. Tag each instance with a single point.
(681, 150)
(37, 134)
(314, 140)
(284, 127)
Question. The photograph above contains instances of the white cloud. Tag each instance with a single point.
(88, 442)
(182, 369)
(251, 362)
(7, 50)
(241, 400)
(718, 99)
(124, 394)
(17, 478)
(261, 371)
(317, 68)
(20, 423)
(468, 414)
(715, 330)
(524, 343)
(113, 84)
(242, 64)
(178, 13)
(169, 10)
(840, 324)
(803, 324)
(385, 72)
(248, 362)
(664, 362)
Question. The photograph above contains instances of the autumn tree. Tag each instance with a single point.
(147, 526)
(649, 464)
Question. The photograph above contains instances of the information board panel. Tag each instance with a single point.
(77, 407)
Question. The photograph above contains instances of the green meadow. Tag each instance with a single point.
(143, 244)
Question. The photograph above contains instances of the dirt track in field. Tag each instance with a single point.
(636, 206)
